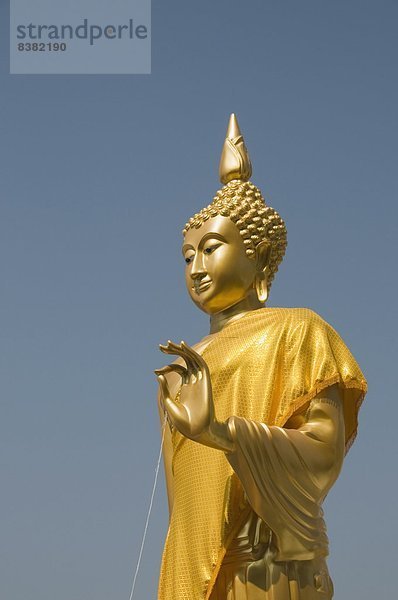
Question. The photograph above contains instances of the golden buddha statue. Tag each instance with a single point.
(260, 413)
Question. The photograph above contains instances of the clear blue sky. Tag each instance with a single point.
(98, 174)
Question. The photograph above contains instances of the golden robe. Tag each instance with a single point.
(265, 367)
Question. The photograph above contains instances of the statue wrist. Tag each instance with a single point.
(221, 437)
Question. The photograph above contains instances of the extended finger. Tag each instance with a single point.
(173, 348)
(168, 348)
(194, 357)
(189, 357)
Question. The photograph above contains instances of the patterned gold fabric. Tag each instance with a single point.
(264, 367)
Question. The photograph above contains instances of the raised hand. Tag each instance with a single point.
(193, 413)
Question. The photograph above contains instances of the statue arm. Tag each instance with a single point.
(319, 439)
(286, 473)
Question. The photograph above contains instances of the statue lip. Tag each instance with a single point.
(201, 285)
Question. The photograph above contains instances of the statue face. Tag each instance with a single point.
(218, 272)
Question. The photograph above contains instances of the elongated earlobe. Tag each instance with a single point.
(263, 250)
(261, 287)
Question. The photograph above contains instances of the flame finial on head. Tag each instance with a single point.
(235, 161)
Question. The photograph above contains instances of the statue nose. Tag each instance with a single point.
(198, 270)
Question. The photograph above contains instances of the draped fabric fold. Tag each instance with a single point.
(264, 367)
(287, 473)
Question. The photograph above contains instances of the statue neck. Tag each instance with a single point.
(219, 320)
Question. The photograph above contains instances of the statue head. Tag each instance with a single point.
(233, 246)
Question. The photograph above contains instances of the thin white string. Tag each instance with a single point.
(149, 509)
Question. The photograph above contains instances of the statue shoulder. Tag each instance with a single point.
(300, 325)
(306, 320)
(307, 316)
(304, 317)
